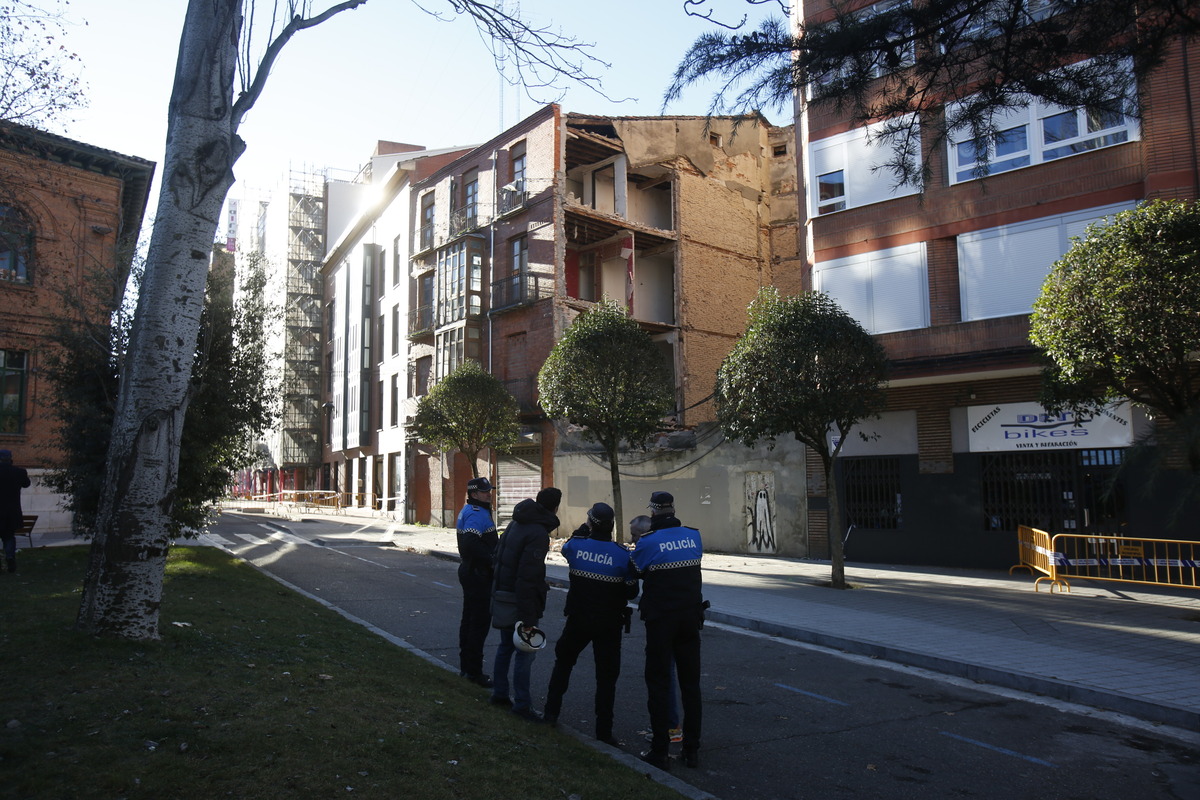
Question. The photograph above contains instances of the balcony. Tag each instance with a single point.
(424, 238)
(420, 322)
(463, 220)
(510, 200)
(521, 289)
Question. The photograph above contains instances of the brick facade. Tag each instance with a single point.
(955, 360)
(84, 206)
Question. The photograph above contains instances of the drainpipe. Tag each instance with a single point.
(492, 246)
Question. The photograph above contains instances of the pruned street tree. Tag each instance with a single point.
(803, 367)
(219, 76)
(469, 411)
(926, 69)
(1119, 317)
(607, 376)
(39, 80)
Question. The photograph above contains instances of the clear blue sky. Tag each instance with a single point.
(383, 71)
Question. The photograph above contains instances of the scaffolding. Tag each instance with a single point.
(301, 421)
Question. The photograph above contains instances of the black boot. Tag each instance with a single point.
(12, 565)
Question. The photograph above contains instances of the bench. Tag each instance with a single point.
(26, 529)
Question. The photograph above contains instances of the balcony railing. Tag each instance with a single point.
(425, 237)
(463, 219)
(511, 200)
(521, 289)
(420, 321)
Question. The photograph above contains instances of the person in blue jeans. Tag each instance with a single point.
(521, 571)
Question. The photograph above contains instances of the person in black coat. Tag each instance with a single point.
(521, 571)
(12, 480)
(603, 580)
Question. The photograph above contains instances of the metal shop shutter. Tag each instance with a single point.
(519, 475)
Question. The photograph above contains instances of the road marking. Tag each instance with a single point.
(811, 694)
(409, 574)
(996, 749)
(446, 585)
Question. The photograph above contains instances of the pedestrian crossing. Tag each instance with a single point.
(268, 535)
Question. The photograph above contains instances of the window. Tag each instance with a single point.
(452, 283)
(396, 330)
(427, 213)
(518, 166)
(396, 261)
(419, 375)
(1001, 270)
(992, 19)
(12, 391)
(519, 255)
(379, 328)
(845, 172)
(471, 196)
(779, 150)
(1035, 134)
(882, 63)
(449, 346)
(885, 290)
(395, 401)
(872, 492)
(831, 191)
(16, 246)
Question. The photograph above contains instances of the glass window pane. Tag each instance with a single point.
(1013, 140)
(1060, 127)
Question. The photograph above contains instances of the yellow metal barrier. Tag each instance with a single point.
(1155, 562)
(312, 499)
(1035, 549)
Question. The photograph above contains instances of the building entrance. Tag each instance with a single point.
(1077, 491)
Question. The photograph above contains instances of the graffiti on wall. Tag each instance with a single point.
(760, 517)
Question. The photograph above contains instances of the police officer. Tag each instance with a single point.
(672, 606)
(603, 578)
(476, 546)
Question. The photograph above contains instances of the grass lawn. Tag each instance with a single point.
(253, 692)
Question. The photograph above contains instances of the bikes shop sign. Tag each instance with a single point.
(1027, 426)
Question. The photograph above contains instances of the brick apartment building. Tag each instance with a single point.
(947, 282)
(68, 212)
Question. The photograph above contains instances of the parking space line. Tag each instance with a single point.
(811, 694)
(994, 748)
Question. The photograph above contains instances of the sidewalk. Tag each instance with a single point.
(1123, 647)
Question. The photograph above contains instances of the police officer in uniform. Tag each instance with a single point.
(672, 606)
(476, 545)
(603, 579)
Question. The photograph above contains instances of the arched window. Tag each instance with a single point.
(16, 246)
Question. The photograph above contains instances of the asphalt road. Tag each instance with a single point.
(782, 719)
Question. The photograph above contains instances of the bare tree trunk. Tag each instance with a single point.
(123, 587)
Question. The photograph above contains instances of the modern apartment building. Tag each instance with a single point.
(946, 280)
(70, 215)
(363, 346)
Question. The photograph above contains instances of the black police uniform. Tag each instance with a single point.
(672, 606)
(476, 545)
(603, 578)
